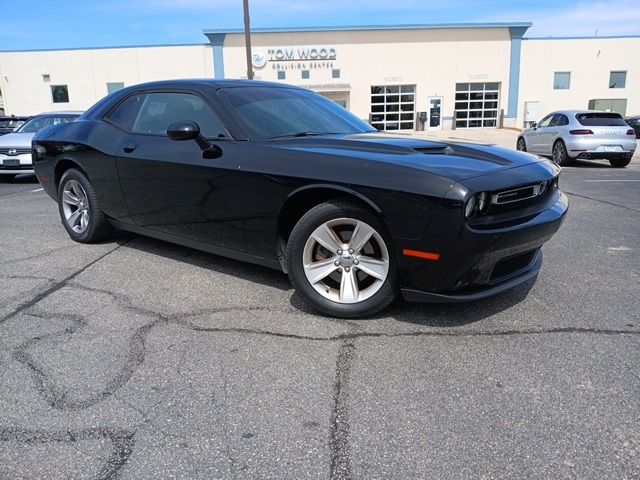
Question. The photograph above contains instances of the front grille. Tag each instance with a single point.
(19, 151)
(519, 194)
(510, 265)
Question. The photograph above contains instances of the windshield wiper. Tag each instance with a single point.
(306, 133)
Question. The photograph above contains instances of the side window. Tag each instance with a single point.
(558, 120)
(159, 110)
(564, 120)
(126, 113)
(545, 121)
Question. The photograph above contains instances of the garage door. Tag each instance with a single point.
(477, 105)
(393, 107)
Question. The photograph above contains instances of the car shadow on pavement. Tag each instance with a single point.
(215, 263)
(20, 179)
(443, 315)
(425, 314)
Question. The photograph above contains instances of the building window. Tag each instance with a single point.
(114, 86)
(617, 79)
(561, 80)
(335, 73)
(60, 93)
(305, 74)
(393, 107)
(477, 105)
(282, 75)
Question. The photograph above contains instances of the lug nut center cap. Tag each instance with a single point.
(346, 260)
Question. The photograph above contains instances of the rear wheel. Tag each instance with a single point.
(341, 261)
(560, 156)
(619, 162)
(521, 145)
(79, 209)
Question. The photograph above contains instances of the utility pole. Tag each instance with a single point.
(247, 38)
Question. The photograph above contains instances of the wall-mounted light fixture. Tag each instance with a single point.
(46, 77)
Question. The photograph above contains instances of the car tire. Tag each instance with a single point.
(559, 154)
(619, 162)
(358, 282)
(521, 144)
(7, 177)
(80, 210)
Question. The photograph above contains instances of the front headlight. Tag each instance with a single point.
(470, 209)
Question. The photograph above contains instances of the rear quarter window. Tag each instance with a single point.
(603, 119)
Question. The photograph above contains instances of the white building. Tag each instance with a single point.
(481, 75)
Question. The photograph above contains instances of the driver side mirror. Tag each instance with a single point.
(534, 125)
(188, 130)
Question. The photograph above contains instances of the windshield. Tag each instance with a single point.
(268, 112)
(603, 119)
(41, 121)
(11, 123)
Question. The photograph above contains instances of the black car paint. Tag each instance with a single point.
(634, 122)
(232, 205)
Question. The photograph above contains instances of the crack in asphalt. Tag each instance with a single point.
(339, 446)
(137, 342)
(122, 443)
(56, 286)
(602, 201)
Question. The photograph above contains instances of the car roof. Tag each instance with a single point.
(61, 112)
(211, 82)
(576, 112)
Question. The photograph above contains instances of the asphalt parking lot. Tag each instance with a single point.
(139, 359)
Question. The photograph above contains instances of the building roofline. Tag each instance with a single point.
(114, 47)
(415, 26)
(600, 37)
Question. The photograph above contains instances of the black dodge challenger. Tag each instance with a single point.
(280, 176)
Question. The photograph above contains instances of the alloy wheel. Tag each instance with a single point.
(75, 206)
(346, 260)
(558, 153)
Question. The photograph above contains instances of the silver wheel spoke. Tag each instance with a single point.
(84, 220)
(73, 219)
(361, 235)
(349, 290)
(376, 268)
(317, 271)
(326, 237)
(67, 197)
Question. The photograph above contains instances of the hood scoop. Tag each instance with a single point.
(435, 150)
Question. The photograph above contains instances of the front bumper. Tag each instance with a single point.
(475, 263)
(490, 290)
(16, 164)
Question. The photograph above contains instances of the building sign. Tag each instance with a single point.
(258, 59)
(298, 58)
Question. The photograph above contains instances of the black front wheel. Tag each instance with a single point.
(521, 145)
(341, 260)
(79, 209)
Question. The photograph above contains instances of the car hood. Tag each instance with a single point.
(456, 161)
(16, 140)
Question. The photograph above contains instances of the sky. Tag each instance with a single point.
(40, 24)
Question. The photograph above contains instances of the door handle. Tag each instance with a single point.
(129, 147)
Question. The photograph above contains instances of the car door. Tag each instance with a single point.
(168, 185)
(536, 138)
(548, 134)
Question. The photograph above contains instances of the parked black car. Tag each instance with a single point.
(11, 123)
(282, 177)
(634, 122)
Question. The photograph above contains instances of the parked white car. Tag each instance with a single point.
(15, 148)
(585, 134)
